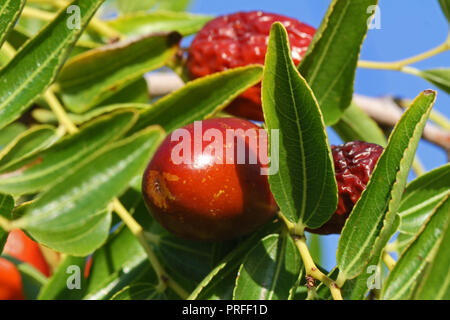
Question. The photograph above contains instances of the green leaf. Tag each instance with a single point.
(270, 271)
(439, 77)
(445, 6)
(435, 284)
(42, 170)
(69, 217)
(374, 217)
(9, 133)
(330, 64)
(31, 141)
(9, 12)
(407, 271)
(219, 283)
(355, 124)
(141, 23)
(90, 78)
(47, 116)
(140, 291)
(32, 279)
(6, 207)
(315, 247)
(199, 99)
(56, 287)
(174, 5)
(35, 66)
(126, 6)
(421, 197)
(304, 186)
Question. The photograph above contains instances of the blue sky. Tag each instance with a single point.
(408, 27)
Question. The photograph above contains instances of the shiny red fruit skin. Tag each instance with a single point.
(204, 200)
(10, 281)
(241, 39)
(353, 163)
(24, 249)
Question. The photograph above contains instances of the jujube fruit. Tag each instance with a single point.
(24, 249)
(202, 198)
(10, 281)
(241, 39)
(353, 164)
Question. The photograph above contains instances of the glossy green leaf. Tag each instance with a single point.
(355, 124)
(140, 291)
(70, 217)
(174, 5)
(126, 6)
(435, 284)
(141, 23)
(201, 98)
(6, 207)
(9, 133)
(329, 66)
(32, 279)
(407, 271)
(47, 116)
(35, 66)
(421, 197)
(9, 12)
(219, 283)
(26, 144)
(42, 170)
(374, 217)
(90, 78)
(304, 186)
(270, 271)
(439, 77)
(445, 6)
(56, 287)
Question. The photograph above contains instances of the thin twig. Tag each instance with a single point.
(383, 110)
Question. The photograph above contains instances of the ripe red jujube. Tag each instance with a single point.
(22, 248)
(353, 163)
(241, 39)
(202, 198)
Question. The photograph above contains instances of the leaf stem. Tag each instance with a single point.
(163, 278)
(401, 64)
(59, 111)
(388, 260)
(418, 167)
(313, 271)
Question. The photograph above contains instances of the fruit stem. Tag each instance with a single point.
(312, 270)
(135, 228)
(401, 64)
(388, 260)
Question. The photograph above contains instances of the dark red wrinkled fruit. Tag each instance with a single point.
(353, 163)
(202, 199)
(240, 39)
